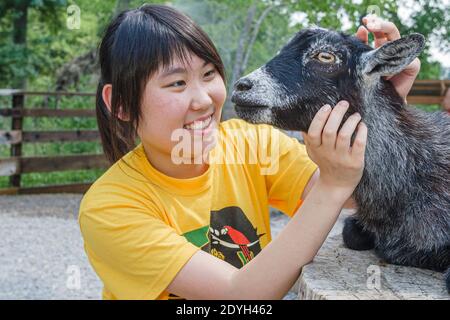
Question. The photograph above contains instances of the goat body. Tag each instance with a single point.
(403, 197)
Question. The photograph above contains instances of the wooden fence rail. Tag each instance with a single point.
(428, 91)
(17, 136)
(422, 92)
(45, 112)
(17, 164)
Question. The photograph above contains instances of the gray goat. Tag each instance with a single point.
(403, 197)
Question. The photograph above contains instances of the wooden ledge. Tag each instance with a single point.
(338, 273)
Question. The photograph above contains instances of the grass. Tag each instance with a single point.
(55, 178)
(429, 108)
(65, 177)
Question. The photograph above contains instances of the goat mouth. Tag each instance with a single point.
(246, 103)
(250, 106)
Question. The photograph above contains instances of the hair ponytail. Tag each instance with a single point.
(118, 137)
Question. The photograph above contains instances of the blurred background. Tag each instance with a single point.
(49, 46)
(49, 143)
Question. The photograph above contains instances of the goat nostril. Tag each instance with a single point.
(243, 85)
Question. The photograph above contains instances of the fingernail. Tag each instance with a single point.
(344, 103)
(325, 108)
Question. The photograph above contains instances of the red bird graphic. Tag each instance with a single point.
(240, 239)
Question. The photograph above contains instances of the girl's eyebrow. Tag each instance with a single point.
(176, 70)
(173, 71)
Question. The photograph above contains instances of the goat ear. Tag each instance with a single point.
(392, 57)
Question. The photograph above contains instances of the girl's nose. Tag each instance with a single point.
(201, 99)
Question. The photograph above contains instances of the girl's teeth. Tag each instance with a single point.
(199, 125)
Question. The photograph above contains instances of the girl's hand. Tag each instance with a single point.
(385, 31)
(341, 165)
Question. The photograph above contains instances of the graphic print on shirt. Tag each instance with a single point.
(230, 237)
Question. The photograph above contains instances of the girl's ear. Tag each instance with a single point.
(107, 98)
(106, 95)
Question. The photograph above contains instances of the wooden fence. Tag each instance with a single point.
(16, 164)
(428, 91)
(423, 92)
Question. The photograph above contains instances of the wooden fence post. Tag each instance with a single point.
(18, 100)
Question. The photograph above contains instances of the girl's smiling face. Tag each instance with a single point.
(181, 104)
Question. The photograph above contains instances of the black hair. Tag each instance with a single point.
(136, 44)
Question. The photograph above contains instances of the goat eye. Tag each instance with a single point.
(326, 57)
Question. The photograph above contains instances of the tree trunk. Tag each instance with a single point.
(253, 39)
(228, 110)
(71, 72)
(241, 60)
(20, 22)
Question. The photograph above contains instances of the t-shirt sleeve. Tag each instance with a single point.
(134, 252)
(288, 168)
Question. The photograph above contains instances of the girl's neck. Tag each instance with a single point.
(164, 164)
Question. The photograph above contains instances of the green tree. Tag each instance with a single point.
(17, 50)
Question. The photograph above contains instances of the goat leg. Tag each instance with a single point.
(355, 237)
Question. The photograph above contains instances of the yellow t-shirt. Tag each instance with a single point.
(141, 226)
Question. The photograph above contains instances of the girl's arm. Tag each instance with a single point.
(348, 204)
(276, 268)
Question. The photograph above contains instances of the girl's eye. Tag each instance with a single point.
(177, 84)
(210, 73)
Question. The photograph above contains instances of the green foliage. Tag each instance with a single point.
(50, 44)
(12, 65)
(18, 60)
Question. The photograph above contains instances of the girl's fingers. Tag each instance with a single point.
(390, 30)
(359, 144)
(373, 24)
(363, 34)
(314, 137)
(334, 121)
(382, 30)
(380, 39)
(346, 132)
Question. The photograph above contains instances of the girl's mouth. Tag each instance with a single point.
(200, 126)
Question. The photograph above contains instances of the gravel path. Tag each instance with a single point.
(41, 249)
(42, 253)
